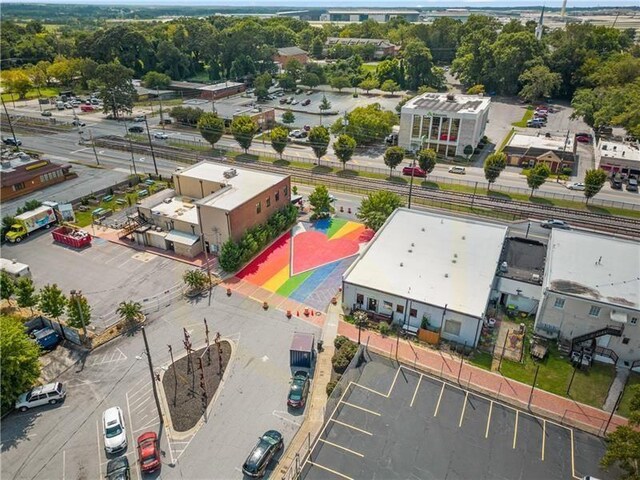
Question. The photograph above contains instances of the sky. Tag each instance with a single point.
(355, 3)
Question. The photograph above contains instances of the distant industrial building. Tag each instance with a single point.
(623, 157)
(445, 122)
(22, 174)
(211, 203)
(383, 48)
(360, 15)
(528, 150)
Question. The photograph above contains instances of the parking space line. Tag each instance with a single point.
(486, 432)
(351, 426)
(439, 399)
(464, 407)
(416, 392)
(394, 382)
(544, 434)
(131, 432)
(515, 430)
(341, 447)
(368, 389)
(98, 446)
(573, 468)
(63, 464)
(329, 470)
(361, 408)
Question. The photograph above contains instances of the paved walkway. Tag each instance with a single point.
(617, 387)
(561, 409)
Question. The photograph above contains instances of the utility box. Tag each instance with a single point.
(302, 352)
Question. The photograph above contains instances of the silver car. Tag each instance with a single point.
(113, 430)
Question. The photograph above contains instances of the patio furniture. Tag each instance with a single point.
(143, 193)
(108, 198)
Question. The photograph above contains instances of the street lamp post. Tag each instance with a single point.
(130, 149)
(153, 154)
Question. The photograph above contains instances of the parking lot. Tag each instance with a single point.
(399, 423)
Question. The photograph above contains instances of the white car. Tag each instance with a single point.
(50, 393)
(294, 102)
(458, 170)
(160, 136)
(575, 186)
(115, 435)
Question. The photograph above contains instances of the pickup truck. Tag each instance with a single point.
(28, 222)
(74, 237)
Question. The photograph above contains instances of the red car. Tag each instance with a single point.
(583, 139)
(417, 172)
(148, 452)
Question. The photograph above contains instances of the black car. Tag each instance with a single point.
(118, 469)
(11, 141)
(632, 184)
(136, 129)
(299, 389)
(259, 458)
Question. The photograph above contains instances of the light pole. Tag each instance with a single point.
(126, 134)
(153, 155)
(153, 377)
(13, 133)
(413, 166)
(75, 296)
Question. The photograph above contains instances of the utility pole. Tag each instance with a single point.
(413, 166)
(133, 160)
(153, 378)
(13, 133)
(564, 149)
(75, 296)
(533, 386)
(153, 154)
(160, 100)
(93, 146)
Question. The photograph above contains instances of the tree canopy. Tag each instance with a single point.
(344, 147)
(279, 139)
(243, 129)
(393, 157)
(319, 139)
(593, 182)
(367, 124)
(493, 167)
(376, 208)
(211, 127)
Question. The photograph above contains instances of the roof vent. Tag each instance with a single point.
(410, 251)
(535, 277)
(167, 200)
(450, 97)
(463, 237)
(423, 229)
(401, 264)
(446, 275)
(232, 172)
(455, 255)
(504, 267)
(413, 244)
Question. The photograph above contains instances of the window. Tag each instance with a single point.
(435, 128)
(372, 305)
(387, 305)
(18, 186)
(286, 191)
(634, 320)
(455, 128)
(413, 312)
(415, 130)
(268, 202)
(400, 309)
(426, 125)
(452, 327)
(594, 311)
(359, 299)
(258, 207)
(277, 196)
(559, 303)
(625, 341)
(444, 131)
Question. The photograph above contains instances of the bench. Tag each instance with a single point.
(410, 330)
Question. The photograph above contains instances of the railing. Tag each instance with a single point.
(607, 352)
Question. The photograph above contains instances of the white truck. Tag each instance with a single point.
(16, 270)
(41, 217)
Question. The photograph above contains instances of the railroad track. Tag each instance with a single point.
(422, 194)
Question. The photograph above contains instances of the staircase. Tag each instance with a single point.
(134, 222)
(613, 330)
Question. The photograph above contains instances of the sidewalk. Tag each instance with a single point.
(560, 409)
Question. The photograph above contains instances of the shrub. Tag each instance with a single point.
(339, 341)
(340, 361)
(567, 171)
(331, 385)
(384, 328)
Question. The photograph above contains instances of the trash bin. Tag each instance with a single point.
(320, 342)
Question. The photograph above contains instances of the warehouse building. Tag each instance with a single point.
(426, 266)
(447, 123)
(362, 14)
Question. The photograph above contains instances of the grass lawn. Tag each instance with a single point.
(528, 115)
(623, 408)
(506, 140)
(45, 92)
(590, 386)
(365, 68)
(200, 77)
(481, 359)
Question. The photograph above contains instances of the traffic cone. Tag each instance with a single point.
(341, 208)
(288, 313)
(349, 210)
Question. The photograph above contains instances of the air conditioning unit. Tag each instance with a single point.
(535, 277)
(167, 200)
(232, 172)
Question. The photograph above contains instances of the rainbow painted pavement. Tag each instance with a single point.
(307, 263)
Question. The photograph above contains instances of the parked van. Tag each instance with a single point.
(50, 393)
(16, 270)
(60, 105)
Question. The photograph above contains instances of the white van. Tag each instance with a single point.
(16, 270)
(51, 393)
(60, 105)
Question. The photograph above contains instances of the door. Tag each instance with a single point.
(372, 305)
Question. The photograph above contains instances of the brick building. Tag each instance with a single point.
(529, 150)
(207, 92)
(290, 53)
(24, 174)
(211, 203)
(383, 48)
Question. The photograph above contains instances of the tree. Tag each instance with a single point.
(389, 70)
(243, 128)
(319, 139)
(311, 80)
(156, 80)
(17, 81)
(393, 157)
(195, 279)
(367, 124)
(418, 65)
(593, 182)
(19, 362)
(538, 82)
(211, 127)
(623, 445)
(116, 88)
(130, 312)
(186, 115)
(477, 89)
(368, 84)
(7, 287)
(52, 301)
(343, 147)
(317, 46)
(390, 86)
(340, 82)
(427, 159)
(25, 293)
(320, 202)
(324, 106)
(493, 166)
(376, 208)
(287, 82)
(279, 139)
(294, 68)
(78, 311)
(537, 175)
(288, 117)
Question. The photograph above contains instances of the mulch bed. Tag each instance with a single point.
(182, 388)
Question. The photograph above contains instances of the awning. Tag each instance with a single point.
(183, 238)
(618, 316)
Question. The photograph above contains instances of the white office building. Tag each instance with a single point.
(445, 122)
(423, 265)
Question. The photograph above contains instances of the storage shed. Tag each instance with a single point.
(302, 352)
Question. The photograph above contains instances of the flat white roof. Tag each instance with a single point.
(242, 187)
(220, 86)
(446, 103)
(592, 266)
(619, 150)
(432, 258)
(520, 140)
(176, 209)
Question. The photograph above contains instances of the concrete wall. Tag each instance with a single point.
(214, 226)
(574, 319)
(469, 326)
(193, 187)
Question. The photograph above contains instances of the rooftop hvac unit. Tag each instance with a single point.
(535, 277)
(167, 200)
(504, 266)
(232, 172)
